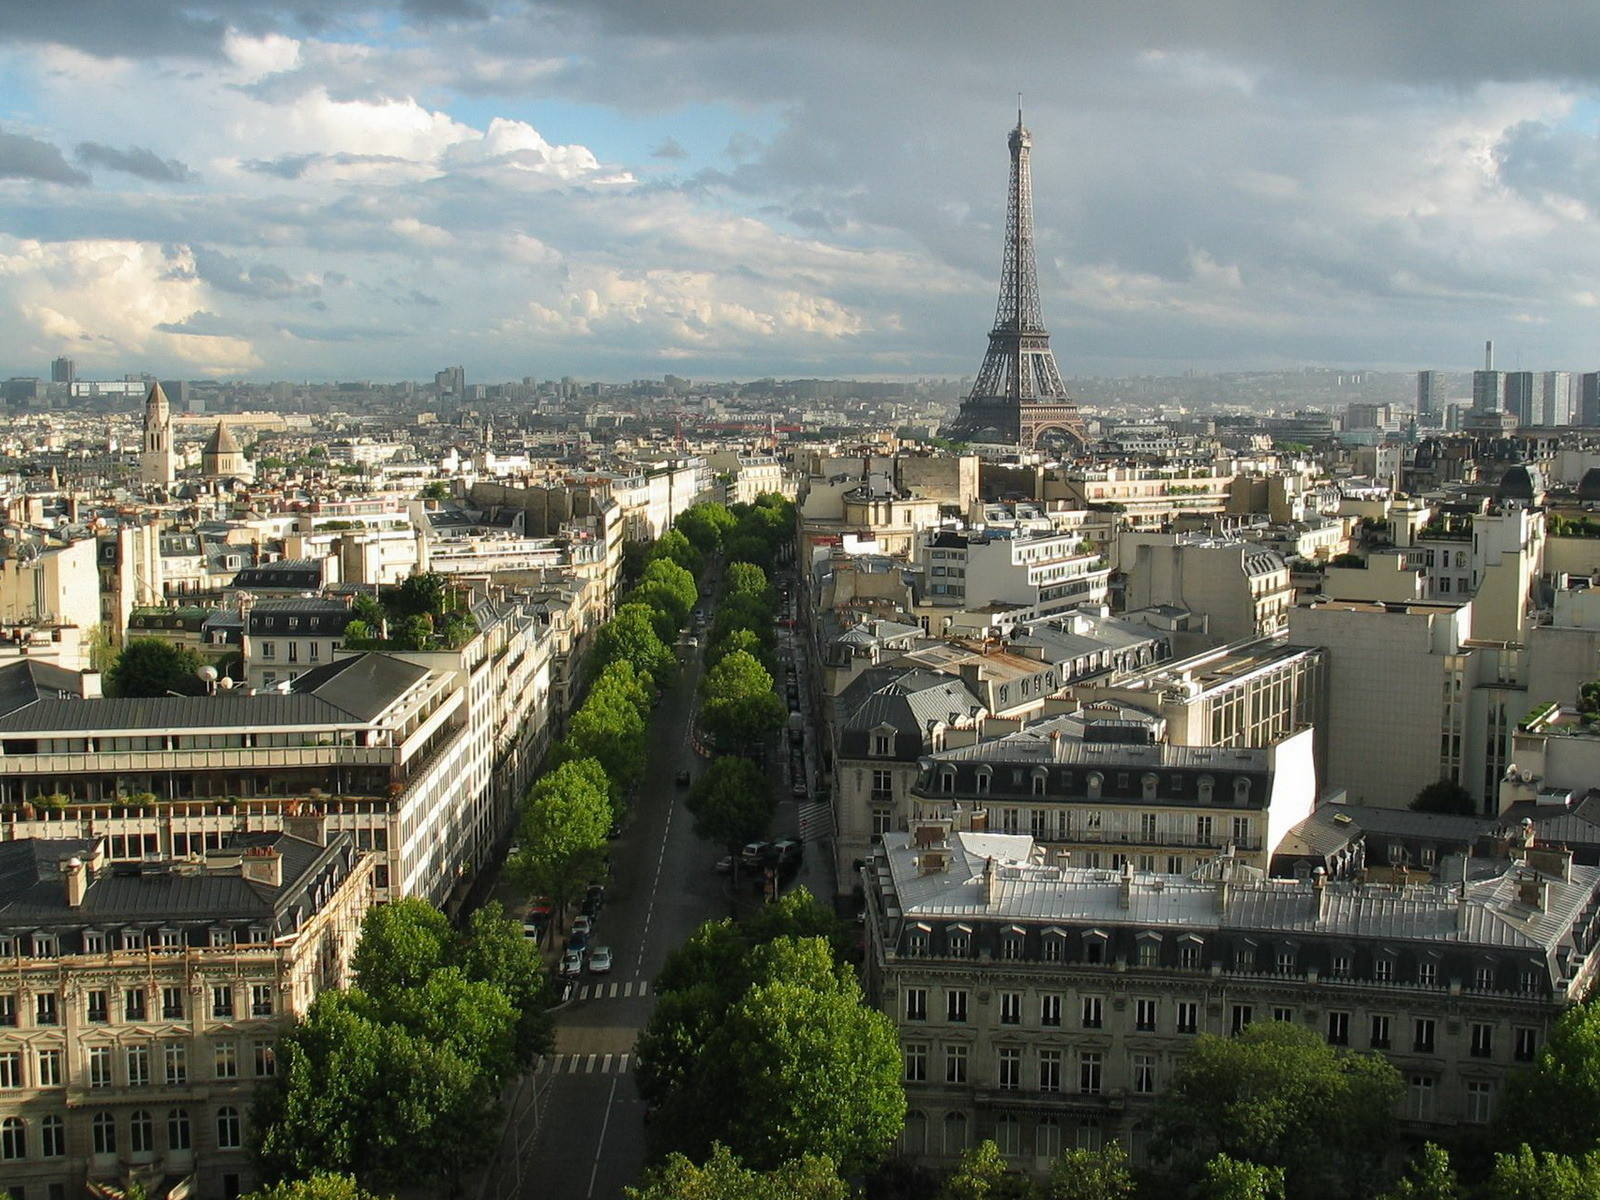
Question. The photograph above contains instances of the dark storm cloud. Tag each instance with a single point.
(136, 160)
(257, 281)
(1539, 159)
(29, 158)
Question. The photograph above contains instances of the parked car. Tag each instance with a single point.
(684, 778)
(725, 864)
(750, 856)
(572, 964)
(533, 928)
(600, 960)
(583, 924)
(798, 789)
(578, 942)
(789, 850)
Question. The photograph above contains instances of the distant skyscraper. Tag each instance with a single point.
(1555, 398)
(1589, 399)
(451, 381)
(1019, 396)
(63, 370)
(1519, 396)
(1430, 394)
(1488, 385)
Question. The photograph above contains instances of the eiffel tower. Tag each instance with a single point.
(1018, 397)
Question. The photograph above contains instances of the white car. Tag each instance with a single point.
(572, 964)
(600, 960)
(583, 925)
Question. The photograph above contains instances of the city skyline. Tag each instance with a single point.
(608, 191)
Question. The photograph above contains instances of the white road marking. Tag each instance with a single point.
(600, 1145)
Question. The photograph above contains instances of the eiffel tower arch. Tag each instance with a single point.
(1019, 396)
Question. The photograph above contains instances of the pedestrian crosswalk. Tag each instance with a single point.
(583, 1064)
(611, 991)
(816, 821)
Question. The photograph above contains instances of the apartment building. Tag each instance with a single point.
(1105, 786)
(141, 1002)
(1041, 572)
(285, 637)
(1149, 498)
(1242, 589)
(1045, 1005)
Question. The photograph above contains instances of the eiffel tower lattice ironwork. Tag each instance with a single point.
(1018, 397)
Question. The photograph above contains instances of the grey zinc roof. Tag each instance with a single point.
(907, 700)
(1491, 915)
(1038, 743)
(23, 683)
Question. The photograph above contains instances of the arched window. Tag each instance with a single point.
(52, 1137)
(141, 1132)
(1008, 1134)
(179, 1136)
(947, 781)
(955, 1132)
(1150, 783)
(983, 776)
(104, 1127)
(229, 1134)
(13, 1139)
(1047, 1138)
(1203, 789)
(914, 1140)
(1095, 783)
(1241, 790)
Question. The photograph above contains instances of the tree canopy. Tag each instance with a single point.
(738, 706)
(152, 667)
(724, 1177)
(565, 820)
(1529, 1175)
(1555, 1104)
(1444, 796)
(631, 635)
(1279, 1096)
(320, 1186)
(705, 525)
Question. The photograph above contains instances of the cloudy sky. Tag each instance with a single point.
(611, 189)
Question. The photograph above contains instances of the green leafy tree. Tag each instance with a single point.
(413, 633)
(672, 580)
(746, 579)
(437, 490)
(630, 635)
(495, 951)
(982, 1174)
(1090, 1175)
(675, 547)
(746, 640)
(471, 1019)
(1444, 796)
(732, 802)
(1555, 1104)
(738, 706)
(401, 945)
(367, 608)
(744, 611)
(705, 525)
(619, 683)
(1429, 1177)
(152, 667)
(361, 1097)
(1279, 1096)
(609, 729)
(564, 824)
(320, 1186)
(1527, 1175)
(1234, 1179)
(724, 1177)
(671, 613)
(424, 593)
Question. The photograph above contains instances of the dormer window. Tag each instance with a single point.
(958, 940)
(1149, 784)
(1203, 789)
(1095, 783)
(45, 945)
(1095, 945)
(983, 777)
(1040, 778)
(882, 744)
(947, 780)
(1241, 790)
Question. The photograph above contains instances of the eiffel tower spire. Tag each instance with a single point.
(1019, 395)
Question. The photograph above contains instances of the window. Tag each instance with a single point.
(266, 1060)
(53, 1137)
(916, 1060)
(1049, 1070)
(1284, 1016)
(1480, 1101)
(1188, 1016)
(97, 1008)
(229, 1133)
(172, 1003)
(1144, 1074)
(179, 1136)
(958, 941)
(955, 1005)
(955, 1132)
(1144, 1017)
(13, 1139)
(1524, 1044)
(133, 939)
(1011, 947)
(10, 1069)
(1094, 945)
(1241, 830)
(133, 1004)
(1149, 953)
(1047, 1138)
(1482, 1045)
(45, 945)
(1242, 1014)
(955, 1064)
(222, 1000)
(171, 940)
(1340, 968)
(1051, 945)
(138, 1060)
(225, 1057)
(105, 1133)
(1092, 1012)
(882, 783)
(1338, 1029)
(1202, 829)
(1008, 1134)
(1089, 1072)
(268, 650)
(8, 1009)
(1050, 1010)
(1010, 1069)
(1244, 957)
(1285, 960)
(44, 1009)
(1189, 956)
(261, 1000)
(141, 1132)
(1422, 1039)
(50, 1068)
(1010, 1008)
(916, 1004)
(175, 1063)
(1422, 1094)
(1383, 969)
(1380, 1032)
(1483, 978)
(1427, 972)
(882, 821)
(982, 782)
(99, 1066)
(917, 942)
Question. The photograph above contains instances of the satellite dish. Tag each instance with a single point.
(225, 683)
(208, 673)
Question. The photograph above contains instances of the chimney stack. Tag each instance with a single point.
(1319, 886)
(77, 877)
(262, 864)
(989, 876)
(1125, 895)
